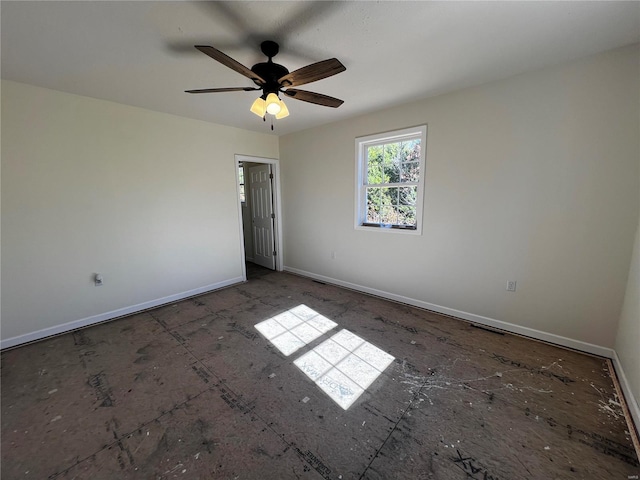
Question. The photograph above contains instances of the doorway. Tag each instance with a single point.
(258, 184)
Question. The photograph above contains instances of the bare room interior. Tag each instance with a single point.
(320, 240)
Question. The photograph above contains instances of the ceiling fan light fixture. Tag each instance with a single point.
(273, 104)
(284, 111)
(259, 107)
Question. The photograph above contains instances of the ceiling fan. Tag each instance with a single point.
(273, 78)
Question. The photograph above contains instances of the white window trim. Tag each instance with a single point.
(360, 202)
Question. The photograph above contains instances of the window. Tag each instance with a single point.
(241, 182)
(390, 179)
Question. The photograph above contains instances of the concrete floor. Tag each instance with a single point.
(192, 390)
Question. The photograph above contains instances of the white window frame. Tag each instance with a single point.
(361, 167)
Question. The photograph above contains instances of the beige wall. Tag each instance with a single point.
(628, 340)
(627, 345)
(147, 199)
(534, 179)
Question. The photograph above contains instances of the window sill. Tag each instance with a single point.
(374, 227)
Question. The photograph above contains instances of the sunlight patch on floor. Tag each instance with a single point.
(295, 328)
(344, 366)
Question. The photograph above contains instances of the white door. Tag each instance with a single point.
(262, 215)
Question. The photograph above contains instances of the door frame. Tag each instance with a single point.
(277, 208)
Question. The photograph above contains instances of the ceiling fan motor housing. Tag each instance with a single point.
(271, 72)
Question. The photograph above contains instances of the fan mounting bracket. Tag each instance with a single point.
(269, 48)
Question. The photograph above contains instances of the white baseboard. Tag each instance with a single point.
(632, 402)
(102, 317)
(471, 317)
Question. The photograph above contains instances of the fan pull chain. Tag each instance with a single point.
(264, 119)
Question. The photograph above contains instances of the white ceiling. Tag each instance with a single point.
(141, 52)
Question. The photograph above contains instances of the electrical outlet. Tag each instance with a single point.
(511, 285)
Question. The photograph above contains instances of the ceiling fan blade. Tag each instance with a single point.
(227, 61)
(313, 97)
(228, 89)
(311, 73)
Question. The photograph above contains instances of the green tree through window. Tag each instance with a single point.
(393, 172)
(390, 171)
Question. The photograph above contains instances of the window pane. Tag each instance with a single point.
(374, 164)
(393, 162)
(241, 182)
(410, 172)
(391, 172)
(374, 174)
(392, 152)
(389, 195)
(374, 154)
(405, 150)
(373, 196)
(412, 149)
(408, 195)
(389, 214)
(373, 214)
(407, 215)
